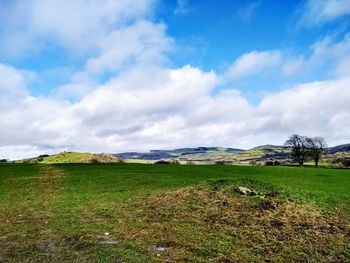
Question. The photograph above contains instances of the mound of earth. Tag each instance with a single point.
(218, 224)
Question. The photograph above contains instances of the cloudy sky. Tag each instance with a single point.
(135, 75)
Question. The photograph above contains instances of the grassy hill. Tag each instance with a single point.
(173, 213)
(73, 157)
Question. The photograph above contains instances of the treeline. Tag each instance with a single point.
(304, 147)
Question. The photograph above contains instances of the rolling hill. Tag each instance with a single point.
(73, 157)
(230, 155)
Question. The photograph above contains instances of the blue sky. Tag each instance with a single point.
(145, 74)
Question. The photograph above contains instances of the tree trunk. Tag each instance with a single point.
(301, 163)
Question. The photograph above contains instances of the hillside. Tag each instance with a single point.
(212, 154)
(230, 155)
(340, 148)
(73, 157)
(176, 153)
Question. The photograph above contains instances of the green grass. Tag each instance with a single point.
(60, 212)
(66, 157)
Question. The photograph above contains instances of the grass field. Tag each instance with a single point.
(172, 213)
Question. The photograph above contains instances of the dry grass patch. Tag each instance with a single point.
(201, 224)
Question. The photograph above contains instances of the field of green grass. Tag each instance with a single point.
(172, 213)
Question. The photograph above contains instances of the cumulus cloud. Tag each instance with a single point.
(317, 12)
(319, 108)
(12, 83)
(141, 43)
(329, 54)
(253, 62)
(30, 120)
(75, 25)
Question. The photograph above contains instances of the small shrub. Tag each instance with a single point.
(346, 162)
(268, 163)
(31, 161)
(167, 162)
(162, 162)
(272, 163)
(276, 163)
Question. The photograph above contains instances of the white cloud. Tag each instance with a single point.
(292, 66)
(254, 62)
(330, 55)
(74, 25)
(343, 67)
(142, 42)
(12, 83)
(320, 108)
(30, 120)
(318, 12)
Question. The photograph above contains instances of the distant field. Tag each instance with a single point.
(160, 213)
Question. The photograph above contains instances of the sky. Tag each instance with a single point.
(113, 75)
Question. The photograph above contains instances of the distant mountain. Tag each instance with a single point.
(174, 154)
(270, 147)
(153, 155)
(231, 155)
(340, 148)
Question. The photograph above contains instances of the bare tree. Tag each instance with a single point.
(316, 146)
(299, 146)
